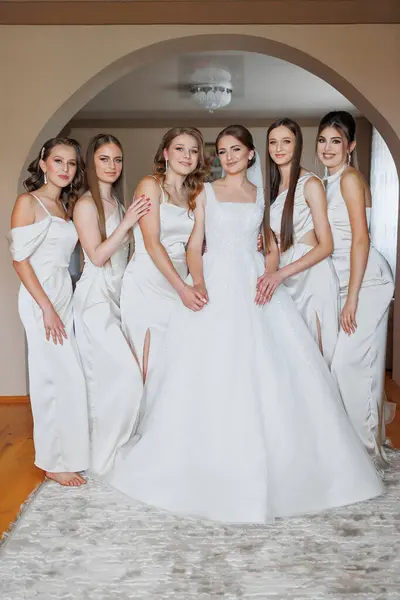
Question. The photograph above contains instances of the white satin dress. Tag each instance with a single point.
(359, 359)
(113, 377)
(242, 418)
(56, 382)
(315, 290)
(147, 298)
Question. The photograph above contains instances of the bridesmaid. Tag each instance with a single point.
(112, 375)
(366, 282)
(154, 279)
(299, 220)
(42, 239)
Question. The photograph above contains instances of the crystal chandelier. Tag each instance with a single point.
(211, 88)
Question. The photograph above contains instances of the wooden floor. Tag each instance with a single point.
(19, 477)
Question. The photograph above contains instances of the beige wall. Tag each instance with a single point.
(140, 146)
(54, 71)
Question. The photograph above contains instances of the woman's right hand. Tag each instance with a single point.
(192, 298)
(138, 209)
(53, 325)
(348, 315)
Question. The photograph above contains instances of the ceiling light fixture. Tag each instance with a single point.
(211, 88)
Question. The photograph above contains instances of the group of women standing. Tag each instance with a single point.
(244, 392)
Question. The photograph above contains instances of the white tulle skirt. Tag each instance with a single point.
(241, 420)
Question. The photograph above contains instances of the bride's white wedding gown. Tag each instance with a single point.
(241, 420)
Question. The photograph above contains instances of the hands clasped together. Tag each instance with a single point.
(194, 297)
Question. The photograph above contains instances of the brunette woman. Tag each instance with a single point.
(299, 219)
(112, 374)
(366, 282)
(42, 240)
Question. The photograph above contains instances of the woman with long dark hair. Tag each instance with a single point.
(299, 219)
(112, 374)
(154, 280)
(42, 240)
(366, 283)
(242, 420)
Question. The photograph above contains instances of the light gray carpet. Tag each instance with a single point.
(90, 543)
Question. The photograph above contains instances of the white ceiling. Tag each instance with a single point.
(263, 87)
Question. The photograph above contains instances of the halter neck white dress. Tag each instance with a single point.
(359, 359)
(315, 291)
(242, 419)
(56, 383)
(147, 298)
(113, 377)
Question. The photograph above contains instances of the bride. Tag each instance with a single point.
(241, 421)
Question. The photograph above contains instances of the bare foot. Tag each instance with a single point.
(68, 479)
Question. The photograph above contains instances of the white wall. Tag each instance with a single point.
(140, 146)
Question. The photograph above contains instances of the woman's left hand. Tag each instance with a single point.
(348, 316)
(266, 285)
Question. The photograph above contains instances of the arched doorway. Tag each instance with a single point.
(197, 43)
(213, 42)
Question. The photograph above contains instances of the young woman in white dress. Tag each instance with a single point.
(243, 420)
(113, 377)
(366, 283)
(299, 220)
(154, 279)
(42, 240)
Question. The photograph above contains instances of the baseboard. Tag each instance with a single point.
(14, 399)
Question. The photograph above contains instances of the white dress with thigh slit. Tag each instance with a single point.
(147, 298)
(315, 291)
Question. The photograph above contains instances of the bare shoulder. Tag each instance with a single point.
(351, 181)
(85, 204)
(201, 197)
(25, 201)
(313, 185)
(85, 200)
(148, 185)
(24, 210)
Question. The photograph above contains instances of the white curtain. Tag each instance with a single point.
(385, 200)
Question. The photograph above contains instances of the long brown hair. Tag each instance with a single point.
(194, 182)
(286, 237)
(70, 193)
(243, 135)
(91, 183)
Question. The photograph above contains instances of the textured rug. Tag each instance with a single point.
(90, 543)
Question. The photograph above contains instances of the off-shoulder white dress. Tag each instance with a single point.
(56, 382)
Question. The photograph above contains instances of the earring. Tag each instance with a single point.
(166, 164)
(349, 159)
(45, 178)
